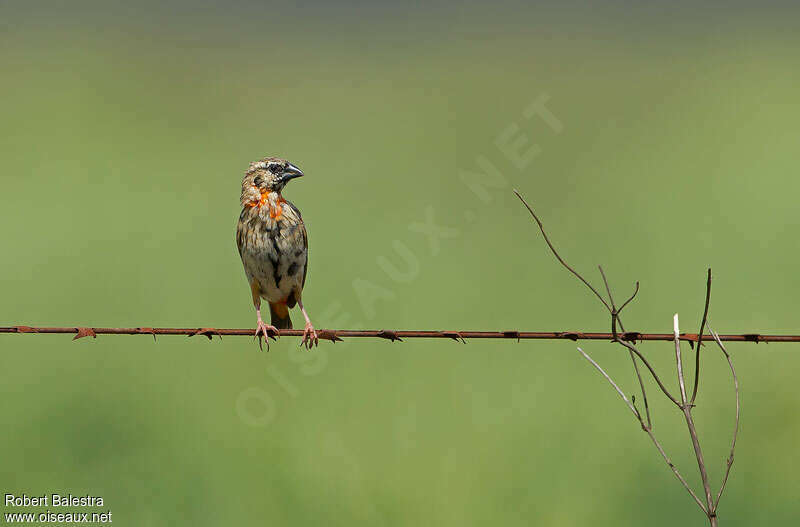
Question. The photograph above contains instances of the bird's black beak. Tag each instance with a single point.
(291, 172)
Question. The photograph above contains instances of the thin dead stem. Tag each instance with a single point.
(684, 402)
(615, 318)
(729, 461)
(614, 313)
(648, 430)
(686, 408)
(677, 333)
(558, 256)
(700, 339)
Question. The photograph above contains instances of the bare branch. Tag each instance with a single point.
(558, 256)
(628, 301)
(616, 319)
(598, 295)
(641, 386)
(608, 290)
(664, 389)
(610, 380)
(614, 313)
(729, 461)
(676, 331)
(648, 430)
(687, 414)
(684, 403)
(700, 339)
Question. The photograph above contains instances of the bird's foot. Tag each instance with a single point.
(267, 332)
(310, 337)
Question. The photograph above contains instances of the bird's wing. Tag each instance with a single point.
(305, 244)
(240, 231)
(304, 241)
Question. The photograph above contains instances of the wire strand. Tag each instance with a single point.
(393, 335)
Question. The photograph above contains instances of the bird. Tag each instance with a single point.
(273, 246)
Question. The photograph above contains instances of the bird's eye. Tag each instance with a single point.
(258, 180)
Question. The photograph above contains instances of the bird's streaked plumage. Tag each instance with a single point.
(273, 244)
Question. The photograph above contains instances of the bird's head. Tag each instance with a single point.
(267, 175)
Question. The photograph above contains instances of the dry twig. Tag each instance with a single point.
(683, 401)
(729, 461)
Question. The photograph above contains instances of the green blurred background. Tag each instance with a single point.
(125, 133)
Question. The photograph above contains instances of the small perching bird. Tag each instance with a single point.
(273, 245)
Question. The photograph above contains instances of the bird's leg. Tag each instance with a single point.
(265, 330)
(310, 338)
(262, 329)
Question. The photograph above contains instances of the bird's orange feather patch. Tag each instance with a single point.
(274, 212)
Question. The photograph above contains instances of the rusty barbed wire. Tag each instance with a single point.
(337, 335)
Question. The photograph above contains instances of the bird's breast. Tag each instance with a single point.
(273, 202)
(260, 230)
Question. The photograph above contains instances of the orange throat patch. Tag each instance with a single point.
(275, 209)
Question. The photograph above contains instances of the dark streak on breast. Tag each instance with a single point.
(275, 261)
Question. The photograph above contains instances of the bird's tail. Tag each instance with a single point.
(280, 315)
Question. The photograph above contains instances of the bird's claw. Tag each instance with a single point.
(267, 332)
(310, 337)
